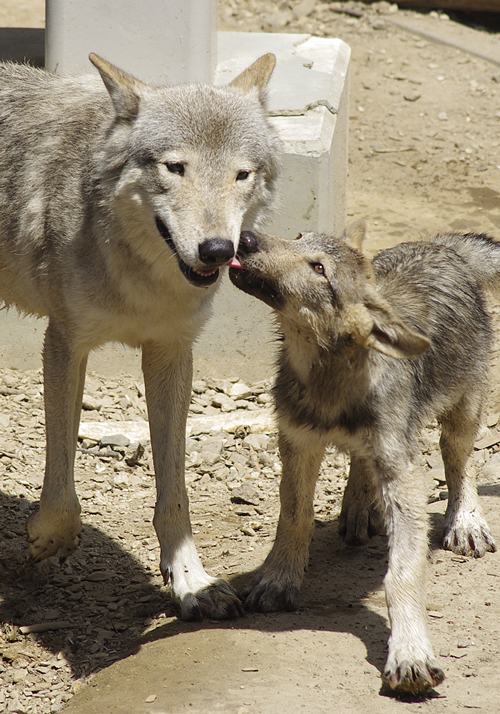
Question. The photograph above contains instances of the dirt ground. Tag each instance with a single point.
(424, 157)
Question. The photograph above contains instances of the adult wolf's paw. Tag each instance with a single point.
(51, 534)
(467, 533)
(412, 678)
(268, 594)
(359, 522)
(217, 601)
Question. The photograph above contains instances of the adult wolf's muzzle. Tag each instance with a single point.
(214, 252)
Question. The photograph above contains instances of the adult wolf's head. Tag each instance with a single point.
(188, 167)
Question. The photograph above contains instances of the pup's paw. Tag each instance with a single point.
(49, 534)
(467, 533)
(271, 594)
(218, 601)
(413, 678)
(359, 522)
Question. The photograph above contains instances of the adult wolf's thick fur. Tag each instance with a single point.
(370, 354)
(119, 204)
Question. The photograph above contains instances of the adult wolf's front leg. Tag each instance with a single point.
(277, 583)
(168, 375)
(56, 526)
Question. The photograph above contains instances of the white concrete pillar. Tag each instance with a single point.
(158, 41)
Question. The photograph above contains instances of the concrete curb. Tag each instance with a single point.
(447, 32)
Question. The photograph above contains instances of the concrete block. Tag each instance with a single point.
(162, 42)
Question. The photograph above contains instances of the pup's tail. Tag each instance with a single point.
(480, 252)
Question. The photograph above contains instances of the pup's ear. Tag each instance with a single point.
(374, 325)
(354, 234)
(256, 76)
(123, 89)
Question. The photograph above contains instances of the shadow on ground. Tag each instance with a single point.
(110, 600)
(102, 591)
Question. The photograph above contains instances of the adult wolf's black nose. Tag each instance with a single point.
(216, 251)
(248, 243)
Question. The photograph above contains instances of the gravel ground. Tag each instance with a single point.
(111, 591)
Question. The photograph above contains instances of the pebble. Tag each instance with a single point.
(246, 493)
(115, 440)
(91, 403)
(278, 20)
(257, 441)
(239, 390)
(491, 469)
(305, 7)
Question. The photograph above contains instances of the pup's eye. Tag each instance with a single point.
(176, 168)
(318, 268)
(242, 175)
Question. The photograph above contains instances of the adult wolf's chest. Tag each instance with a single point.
(135, 318)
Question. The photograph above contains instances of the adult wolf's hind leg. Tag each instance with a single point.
(56, 526)
(167, 376)
(466, 531)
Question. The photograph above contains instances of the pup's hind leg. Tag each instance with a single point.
(360, 517)
(466, 530)
(167, 376)
(56, 526)
(277, 582)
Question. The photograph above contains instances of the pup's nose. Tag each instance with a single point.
(216, 251)
(248, 243)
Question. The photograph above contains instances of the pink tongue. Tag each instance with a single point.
(235, 262)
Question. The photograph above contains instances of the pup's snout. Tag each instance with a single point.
(248, 243)
(216, 251)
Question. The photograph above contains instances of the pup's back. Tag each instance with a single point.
(439, 292)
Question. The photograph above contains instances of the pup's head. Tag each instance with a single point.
(324, 289)
(190, 165)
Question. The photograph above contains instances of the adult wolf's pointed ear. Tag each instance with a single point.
(123, 89)
(256, 76)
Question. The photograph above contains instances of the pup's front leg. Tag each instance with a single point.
(411, 666)
(277, 582)
(56, 526)
(360, 516)
(168, 376)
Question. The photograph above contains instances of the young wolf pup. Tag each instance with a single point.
(370, 354)
(119, 204)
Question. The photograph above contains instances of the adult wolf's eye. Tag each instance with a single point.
(176, 168)
(242, 175)
(318, 268)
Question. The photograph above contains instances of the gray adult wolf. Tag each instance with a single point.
(119, 205)
(371, 353)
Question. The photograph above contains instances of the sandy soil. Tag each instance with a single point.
(424, 158)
